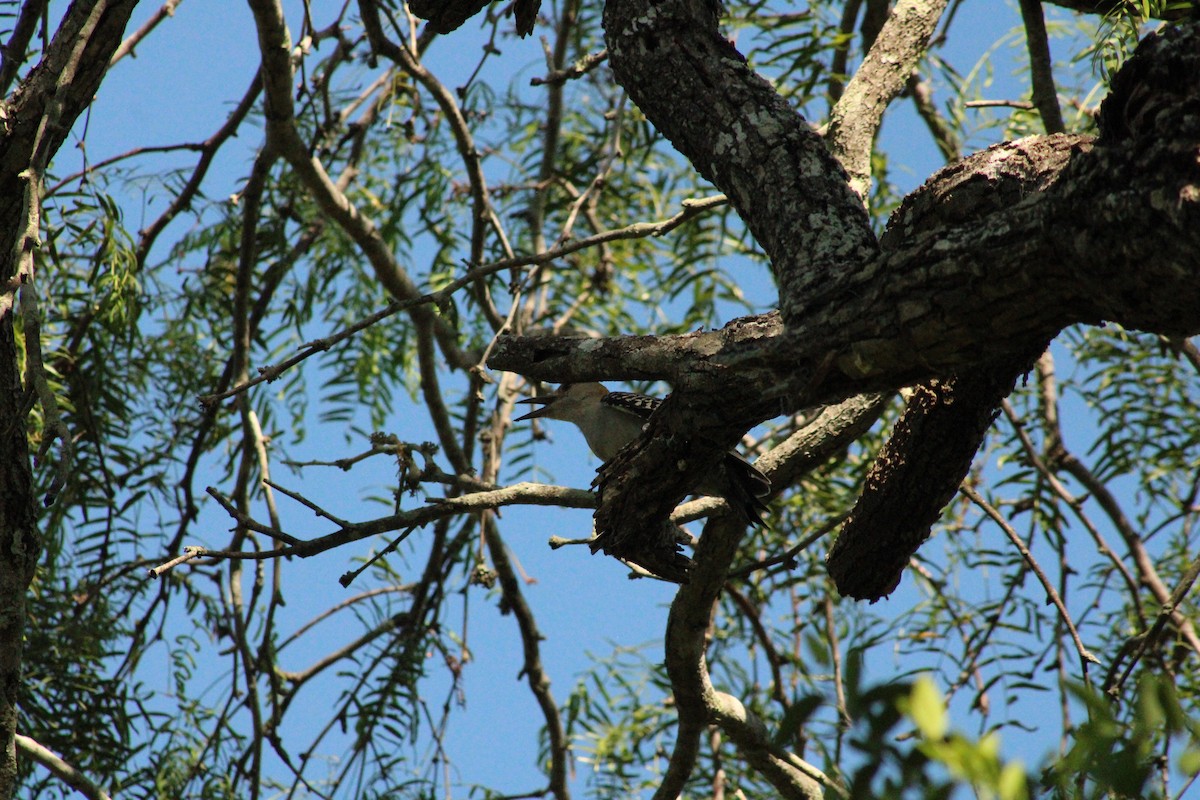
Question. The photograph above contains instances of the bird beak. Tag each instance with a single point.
(548, 399)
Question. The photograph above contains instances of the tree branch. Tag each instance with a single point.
(61, 769)
(275, 46)
(1085, 656)
(884, 73)
(968, 276)
(744, 137)
(687, 624)
(38, 118)
(914, 475)
(1045, 97)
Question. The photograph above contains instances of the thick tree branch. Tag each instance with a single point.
(698, 702)
(915, 474)
(989, 260)
(743, 136)
(695, 697)
(16, 49)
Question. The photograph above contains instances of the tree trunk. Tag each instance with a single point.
(39, 114)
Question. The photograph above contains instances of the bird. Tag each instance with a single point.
(611, 420)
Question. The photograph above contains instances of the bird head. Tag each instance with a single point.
(568, 403)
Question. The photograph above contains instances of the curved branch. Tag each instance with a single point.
(742, 135)
(60, 769)
(698, 702)
(855, 120)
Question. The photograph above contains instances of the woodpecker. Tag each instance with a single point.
(611, 420)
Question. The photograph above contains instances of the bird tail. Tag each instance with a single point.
(745, 486)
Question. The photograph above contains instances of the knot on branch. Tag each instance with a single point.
(1157, 85)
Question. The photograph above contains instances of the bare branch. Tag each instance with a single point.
(275, 45)
(60, 769)
(886, 70)
(167, 9)
(579, 68)
(1167, 614)
(1085, 657)
(1045, 97)
(691, 209)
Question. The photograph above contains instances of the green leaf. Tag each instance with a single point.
(927, 709)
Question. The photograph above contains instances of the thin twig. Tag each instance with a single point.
(788, 556)
(167, 9)
(189, 553)
(348, 577)
(1024, 105)
(1169, 609)
(1050, 417)
(580, 67)
(1084, 655)
(437, 509)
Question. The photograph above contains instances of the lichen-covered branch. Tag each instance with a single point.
(855, 120)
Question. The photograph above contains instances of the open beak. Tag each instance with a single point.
(547, 399)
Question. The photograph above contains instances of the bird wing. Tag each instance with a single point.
(639, 405)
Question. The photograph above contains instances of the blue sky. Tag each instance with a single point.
(176, 90)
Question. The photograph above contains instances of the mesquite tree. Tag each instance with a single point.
(977, 403)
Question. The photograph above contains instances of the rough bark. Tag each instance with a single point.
(988, 260)
(37, 118)
(933, 444)
(915, 475)
(738, 132)
(20, 546)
